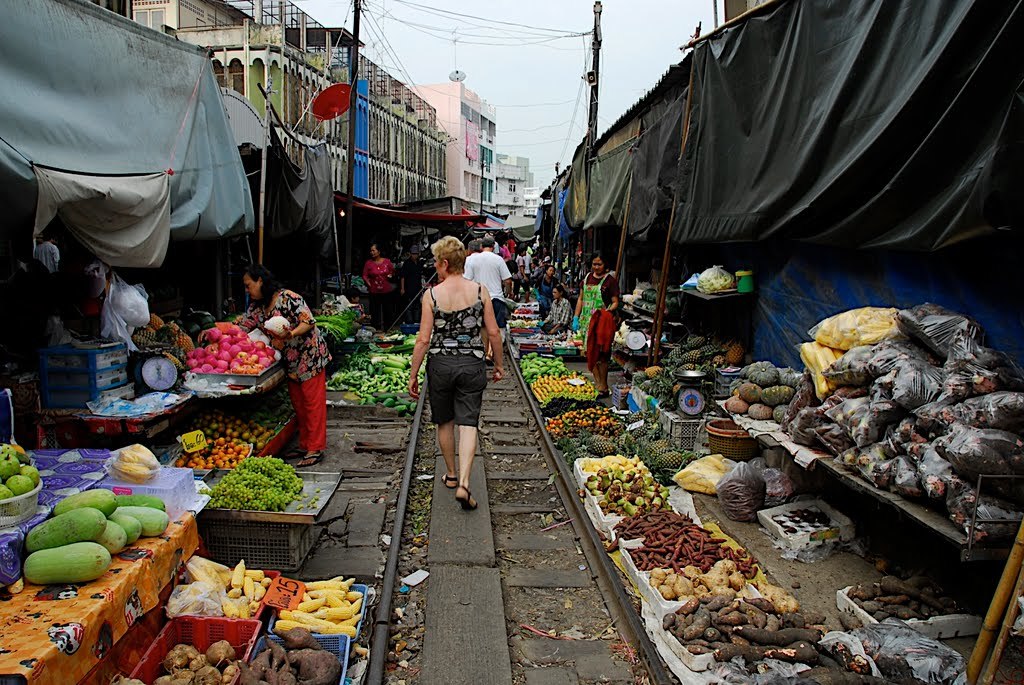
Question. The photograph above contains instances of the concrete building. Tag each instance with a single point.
(472, 129)
(531, 200)
(512, 177)
(399, 149)
(122, 7)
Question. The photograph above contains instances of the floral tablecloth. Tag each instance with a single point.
(63, 472)
(56, 634)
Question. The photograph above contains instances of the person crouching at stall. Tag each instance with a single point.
(599, 297)
(304, 352)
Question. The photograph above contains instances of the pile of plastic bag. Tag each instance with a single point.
(916, 403)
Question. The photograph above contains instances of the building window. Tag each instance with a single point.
(511, 187)
(218, 71)
(236, 77)
(154, 19)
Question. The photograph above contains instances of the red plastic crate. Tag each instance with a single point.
(200, 632)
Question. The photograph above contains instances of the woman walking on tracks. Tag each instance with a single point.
(457, 313)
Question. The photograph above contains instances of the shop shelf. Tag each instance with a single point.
(200, 632)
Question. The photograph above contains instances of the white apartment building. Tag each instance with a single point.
(531, 200)
(471, 127)
(512, 177)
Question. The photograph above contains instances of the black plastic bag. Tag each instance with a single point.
(834, 438)
(911, 383)
(864, 420)
(905, 479)
(853, 368)
(960, 501)
(741, 492)
(934, 473)
(805, 396)
(985, 451)
(903, 654)
(933, 326)
(1001, 410)
(886, 355)
(802, 427)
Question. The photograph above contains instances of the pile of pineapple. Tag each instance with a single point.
(645, 443)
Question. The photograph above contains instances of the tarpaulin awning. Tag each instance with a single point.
(403, 215)
(609, 183)
(894, 124)
(656, 161)
(523, 228)
(300, 198)
(103, 96)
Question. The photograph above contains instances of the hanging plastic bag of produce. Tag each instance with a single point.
(703, 475)
(863, 326)
(715, 279)
(934, 473)
(933, 326)
(130, 301)
(741, 492)
(985, 451)
(998, 519)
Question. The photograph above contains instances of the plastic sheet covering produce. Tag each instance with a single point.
(863, 326)
(985, 451)
(933, 326)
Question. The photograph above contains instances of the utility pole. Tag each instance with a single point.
(350, 153)
(594, 78)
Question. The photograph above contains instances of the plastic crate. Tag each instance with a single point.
(78, 399)
(356, 587)
(65, 357)
(681, 432)
(409, 328)
(338, 645)
(200, 632)
(283, 546)
(175, 486)
(77, 380)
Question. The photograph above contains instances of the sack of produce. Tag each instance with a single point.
(905, 479)
(134, 463)
(885, 356)
(911, 383)
(934, 473)
(703, 475)
(865, 420)
(933, 326)
(834, 438)
(778, 487)
(902, 654)
(195, 599)
(965, 348)
(804, 397)
(853, 368)
(817, 358)
(741, 492)
(960, 501)
(985, 451)
(874, 463)
(863, 326)
(1001, 410)
(803, 425)
(715, 279)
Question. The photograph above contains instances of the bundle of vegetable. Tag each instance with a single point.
(534, 366)
(231, 351)
(257, 484)
(186, 664)
(75, 545)
(574, 387)
(300, 660)
(329, 607)
(915, 598)
(675, 545)
(600, 421)
(752, 628)
(337, 327)
(626, 492)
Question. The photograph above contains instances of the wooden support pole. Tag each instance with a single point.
(659, 314)
(621, 258)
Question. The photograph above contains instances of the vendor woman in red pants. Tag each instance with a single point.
(304, 352)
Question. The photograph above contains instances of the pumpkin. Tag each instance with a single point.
(776, 395)
(763, 374)
(790, 377)
(750, 393)
(736, 405)
(779, 413)
(760, 412)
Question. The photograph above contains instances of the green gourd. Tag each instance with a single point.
(114, 537)
(153, 521)
(141, 501)
(98, 498)
(130, 524)
(77, 525)
(78, 562)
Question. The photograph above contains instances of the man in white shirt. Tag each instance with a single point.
(490, 271)
(46, 252)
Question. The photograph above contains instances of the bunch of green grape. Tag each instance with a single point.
(257, 484)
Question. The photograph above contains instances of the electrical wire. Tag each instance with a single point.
(502, 32)
(436, 10)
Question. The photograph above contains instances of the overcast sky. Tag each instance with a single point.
(521, 70)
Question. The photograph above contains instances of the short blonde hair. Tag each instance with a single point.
(450, 249)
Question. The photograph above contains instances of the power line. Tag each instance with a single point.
(435, 10)
(531, 130)
(448, 29)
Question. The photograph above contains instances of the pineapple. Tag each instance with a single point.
(652, 371)
(155, 322)
(691, 357)
(602, 447)
(734, 353)
(709, 349)
(144, 337)
(668, 460)
(718, 360)
(694, 341)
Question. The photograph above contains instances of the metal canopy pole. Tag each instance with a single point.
(350, 153)
(263, 167)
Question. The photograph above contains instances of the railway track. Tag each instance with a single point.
(564, 615)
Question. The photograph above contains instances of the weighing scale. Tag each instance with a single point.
(158, 373)
(636, 340)
(691, 398)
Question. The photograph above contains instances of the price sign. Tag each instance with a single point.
(284, 593)
(576, 381)
(193, 442)
(636, 424)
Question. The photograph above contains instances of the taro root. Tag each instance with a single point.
(220, 653)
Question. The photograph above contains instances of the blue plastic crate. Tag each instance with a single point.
(66, 357)
(339, 645)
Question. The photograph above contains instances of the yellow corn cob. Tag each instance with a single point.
(243, 610)
(284, 625)
(235, 593)
(286, 615)
(229, 608)
(354, 621)
(247, 587)
(253, 608)
(317, 594)
(306, 597)
(238, 575)
(334, 601)
(312, 605)
(357, 606)
(318, 625)
(333, 584)
(258, 591)
(335, 615)
(353, 596)
(256, 575)
(266, 582)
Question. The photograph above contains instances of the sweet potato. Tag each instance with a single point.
(668, 621)
(763, 604)
(891, 585)
(779, 638)
(740, 641)
(718, 602)
(755, 616)
(701, 622)
(298, 638)
(690, 605)
(315, 667)
(893, 599)
(732, 618)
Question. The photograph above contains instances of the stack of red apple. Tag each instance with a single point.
(230, 350)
